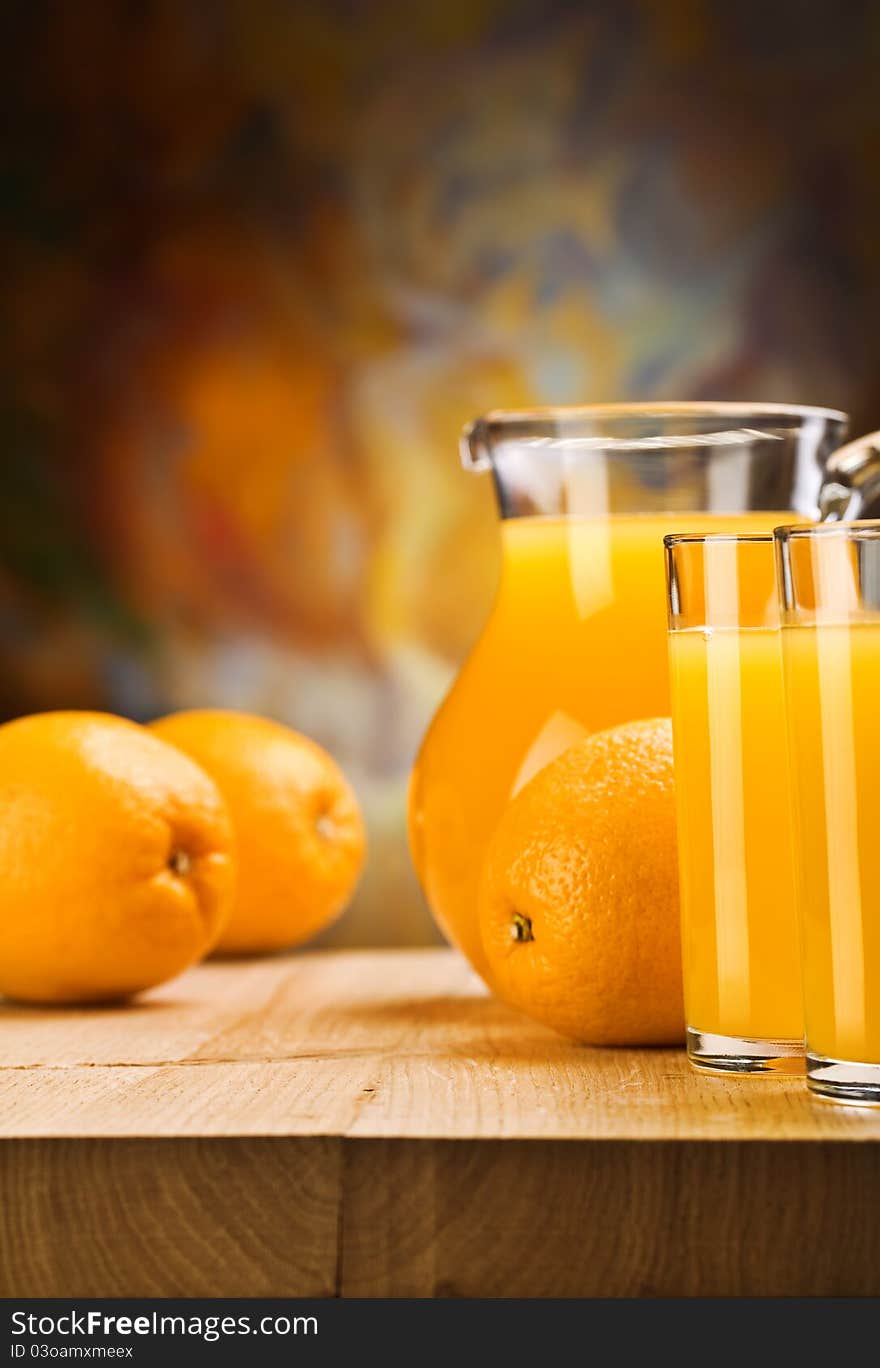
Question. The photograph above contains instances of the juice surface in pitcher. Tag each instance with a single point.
(576, 642)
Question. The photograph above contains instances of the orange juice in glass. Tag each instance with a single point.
(830, 588)
(577, 637)
(739, 918)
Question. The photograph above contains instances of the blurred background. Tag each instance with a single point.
(264, 259)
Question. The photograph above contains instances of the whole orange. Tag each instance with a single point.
(579, 903)
(116, 859)
(299, 832)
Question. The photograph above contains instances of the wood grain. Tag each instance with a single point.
(555, 1219)
(244, 1217)
(399, 1044)
(373, 1123)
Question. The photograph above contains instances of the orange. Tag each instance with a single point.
(116, 859)
(579, 900)
(299, 833)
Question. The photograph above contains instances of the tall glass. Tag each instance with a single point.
(577, 637)
(829, 585)
(739, 922)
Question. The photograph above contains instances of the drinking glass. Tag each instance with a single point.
(739, 920)
(829, 588)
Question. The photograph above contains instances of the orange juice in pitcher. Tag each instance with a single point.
(577, 638)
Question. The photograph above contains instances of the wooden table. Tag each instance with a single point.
(370, 1123)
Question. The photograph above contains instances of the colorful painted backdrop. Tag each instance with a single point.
(266, 258)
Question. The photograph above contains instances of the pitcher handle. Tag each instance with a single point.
(851, 484)
(475, 446)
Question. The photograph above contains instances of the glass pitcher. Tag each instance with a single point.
(577, 638)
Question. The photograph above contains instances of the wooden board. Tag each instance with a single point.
(373, 1123)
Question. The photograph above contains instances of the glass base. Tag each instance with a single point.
(735, 1055)
(841, 1080)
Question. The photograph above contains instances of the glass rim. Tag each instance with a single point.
(651, 428)
(857, 530)
(674, 408)
(674, 539)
